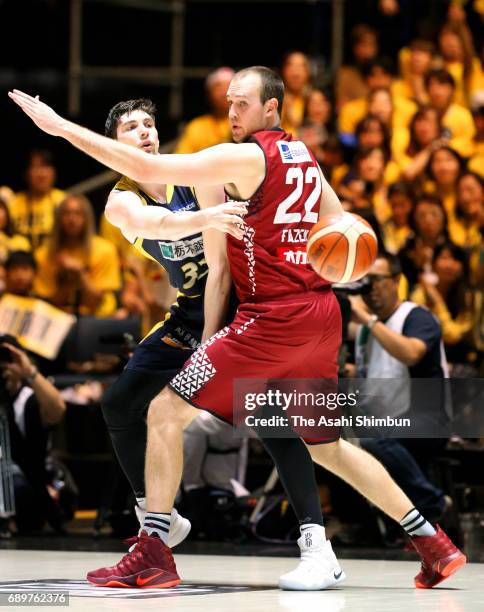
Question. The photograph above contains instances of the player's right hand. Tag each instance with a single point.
(42, 115)
(228, 218)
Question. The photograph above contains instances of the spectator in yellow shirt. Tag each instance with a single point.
(416, 62)
(33, 210)
(465, 229)
(78, 271)
(381, 104)
(476, 162)
(365, 181)
(378, 76)
(425, 133)
(429, 229)
(213, 128)
(315, 128)
(396, 230)
(9, 241)
(296, 74)
(350, 80)
(457, 50)
(444, 168)
(456, 119)
(449, 299)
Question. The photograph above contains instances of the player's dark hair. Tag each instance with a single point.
(393, 262)
(272, 85)
(127, 106)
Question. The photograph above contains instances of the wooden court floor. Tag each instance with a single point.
(236, 584)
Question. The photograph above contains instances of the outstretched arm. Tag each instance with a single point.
(226, 163)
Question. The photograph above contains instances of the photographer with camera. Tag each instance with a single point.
(400, 340)
(32, 405)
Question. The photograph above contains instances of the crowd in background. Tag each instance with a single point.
(400, 139)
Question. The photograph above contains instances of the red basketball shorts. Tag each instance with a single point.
(295, 337)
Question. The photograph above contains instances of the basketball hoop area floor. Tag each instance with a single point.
(236, 584)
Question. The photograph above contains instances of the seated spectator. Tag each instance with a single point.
(33, 406)
(6, 194)
(457, 51)
(315, 128)
(333, 162)
(378, 76)
(296, 74)
(449, 299)
(381, 105)
(425, 134)
(476, 162)
(9, 241)
(33, 210)
(213, 128)
(465, 229)
(20, 270)
(429, 227)
(444, 168)
(366, 180)
(78, 271)
(371, 131)
(399, 340)
(350, 80)
(397, 230)
(415, 63)
(456, 119)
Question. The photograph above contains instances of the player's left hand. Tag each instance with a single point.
(41, 114)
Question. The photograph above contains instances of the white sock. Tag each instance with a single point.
(416, 525)
(157, 523)
(313, 534)
(141, 501)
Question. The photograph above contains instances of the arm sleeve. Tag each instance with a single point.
(421, 324)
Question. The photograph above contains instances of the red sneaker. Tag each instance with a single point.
(440, 558)
(150, 565)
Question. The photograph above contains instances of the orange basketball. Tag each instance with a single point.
(341, 248)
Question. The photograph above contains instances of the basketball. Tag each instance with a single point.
(341, 248)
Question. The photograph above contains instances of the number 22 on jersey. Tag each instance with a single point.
(300, 177)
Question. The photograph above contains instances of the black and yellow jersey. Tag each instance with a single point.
(183, 260)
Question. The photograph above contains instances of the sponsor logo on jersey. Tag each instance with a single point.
(293, 255)
(181, 249)
(189, 206)
(294, 235)
(293, 152)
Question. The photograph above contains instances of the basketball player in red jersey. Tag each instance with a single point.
(285, 191)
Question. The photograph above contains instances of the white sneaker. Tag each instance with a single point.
(179, 526)
(318, 568)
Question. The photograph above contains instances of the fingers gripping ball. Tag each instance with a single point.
(341, 248)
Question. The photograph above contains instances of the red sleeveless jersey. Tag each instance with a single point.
(270, 261)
